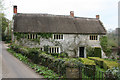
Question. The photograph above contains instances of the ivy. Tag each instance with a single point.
(45, 35)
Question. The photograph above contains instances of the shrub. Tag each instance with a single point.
(90, 52)
(90, 64)
(104, 63)
(113, 74)
(97, 52)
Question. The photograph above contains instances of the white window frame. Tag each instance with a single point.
(33, 35)
(54, 49)
(58, 35)
(94, 39)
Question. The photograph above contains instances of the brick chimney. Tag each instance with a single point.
(14, 9)
(97, 16)
(72, 13)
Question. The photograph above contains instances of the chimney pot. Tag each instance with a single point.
(97, 16)
(72, 13)
(15, 9)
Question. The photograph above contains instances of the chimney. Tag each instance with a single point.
(14, 9)
(72, 13)
(97, 17)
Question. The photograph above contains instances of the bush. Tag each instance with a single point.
(113, 74)
(97, 52)
(93, 52)
(104, 63)
(90, 64)
(90, 52)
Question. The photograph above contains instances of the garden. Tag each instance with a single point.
(61, 66)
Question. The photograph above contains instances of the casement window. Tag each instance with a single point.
(55, 49)
(32, 36)
(93, 37)
(58, 36)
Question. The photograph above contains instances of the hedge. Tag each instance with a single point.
(90, 64)
(57, 64)
(97, 52)
(104, 63)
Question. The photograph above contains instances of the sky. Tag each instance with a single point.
(107, 9)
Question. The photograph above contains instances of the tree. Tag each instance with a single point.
(3, 22)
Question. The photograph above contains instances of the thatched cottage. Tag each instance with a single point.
(59, 33)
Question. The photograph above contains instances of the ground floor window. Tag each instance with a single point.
(55, 49)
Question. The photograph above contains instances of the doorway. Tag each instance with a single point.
(81, 52)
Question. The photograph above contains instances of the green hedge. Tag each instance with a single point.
(97, 52)
(90, 71)
(57, 64)
(104, 63)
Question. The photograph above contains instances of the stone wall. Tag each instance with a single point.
(70, 43)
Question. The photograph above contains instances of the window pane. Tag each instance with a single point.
(50, 50)
(57, 50)
(28, 36)
(54, 36)
(96, 37)
(90, 37)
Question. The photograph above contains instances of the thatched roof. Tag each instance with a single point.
(46, 23)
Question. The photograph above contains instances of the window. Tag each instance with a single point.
(93, 37)
(32, 36)
(54, 49)
(58, 36)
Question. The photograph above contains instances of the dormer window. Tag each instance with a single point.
(93, 37)
(58, 36)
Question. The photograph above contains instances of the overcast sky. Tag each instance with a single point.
(107, 9)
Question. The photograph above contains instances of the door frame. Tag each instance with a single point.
(84, 51)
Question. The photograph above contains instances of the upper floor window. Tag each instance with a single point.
(32, 36)
(55, 49)
(93, 37)
(58, 36)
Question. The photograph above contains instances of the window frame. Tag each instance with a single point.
(93, 37)
(58, 36)
(54, 49)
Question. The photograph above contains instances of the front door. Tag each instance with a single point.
(81, 52)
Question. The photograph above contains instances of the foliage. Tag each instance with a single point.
(93, 52)
(59, 55)
(45, 35)
(104, 63)
(87, 61)
(113, 74)
(19, 35)
(97, 52)
(46, 48)
(47, 73)
(104, 43)
(5, 23)
(90, 52)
